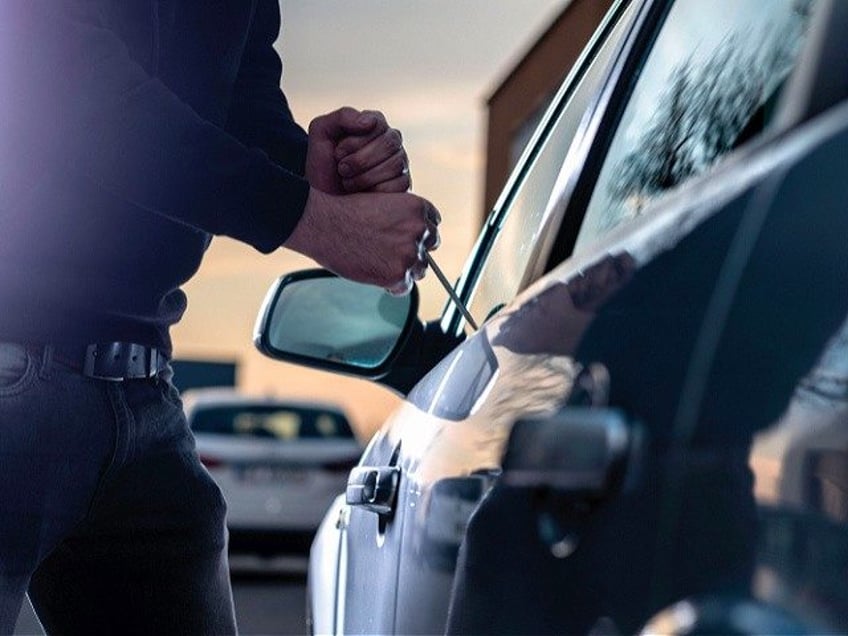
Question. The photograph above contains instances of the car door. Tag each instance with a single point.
(620, 217)
(372, 542)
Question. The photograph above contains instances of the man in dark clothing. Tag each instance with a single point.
(132, 131)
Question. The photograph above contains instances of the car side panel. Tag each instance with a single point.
(457, 420)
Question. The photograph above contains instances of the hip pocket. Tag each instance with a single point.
(17, 368)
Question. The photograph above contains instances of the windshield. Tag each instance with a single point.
(281, 422)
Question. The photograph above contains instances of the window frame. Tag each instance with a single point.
(452, 321)
(581, 167)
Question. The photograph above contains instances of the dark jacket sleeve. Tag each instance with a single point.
(74, 97)
(259, 113)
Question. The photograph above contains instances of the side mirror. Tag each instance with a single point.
(316, 319)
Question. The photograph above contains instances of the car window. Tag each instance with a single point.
(709, 84)
(522, 219)
(282, 423)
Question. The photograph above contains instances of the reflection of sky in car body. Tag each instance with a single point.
(516, 384)
(827, 384)
(518, 365)
(814, 420)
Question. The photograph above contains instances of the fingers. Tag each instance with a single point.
(415, 273)
(432, 218)
(420, 236)
(403, 287)
(368, 153)
(402, 183)
(380, 162)
(353, 138)
(358, 154)
(392, 175)
(428, 241)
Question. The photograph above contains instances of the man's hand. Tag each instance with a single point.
(356, 151)
(375, 238)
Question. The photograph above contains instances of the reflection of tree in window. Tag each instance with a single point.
(706, 110)
(665, 150)
(689, 109)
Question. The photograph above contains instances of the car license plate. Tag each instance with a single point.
(267, 474)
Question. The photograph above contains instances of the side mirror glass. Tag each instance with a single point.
(317, 319)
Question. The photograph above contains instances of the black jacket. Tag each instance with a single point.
(130, 132)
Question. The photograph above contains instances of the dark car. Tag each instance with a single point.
(649, 431)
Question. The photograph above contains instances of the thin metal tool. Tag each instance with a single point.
(449, 289)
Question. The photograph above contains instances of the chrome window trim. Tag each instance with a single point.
(452, 320)
(580, 169)
(635, 48)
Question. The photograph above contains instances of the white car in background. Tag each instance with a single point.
(279, 464)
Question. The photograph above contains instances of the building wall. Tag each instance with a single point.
(520, 100)
(196, 374)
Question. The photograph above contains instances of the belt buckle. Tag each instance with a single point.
(118, 361)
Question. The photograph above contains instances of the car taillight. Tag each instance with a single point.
(210, 462)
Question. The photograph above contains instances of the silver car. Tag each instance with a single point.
(279, 464)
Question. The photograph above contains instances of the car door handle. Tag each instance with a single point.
(373, 488)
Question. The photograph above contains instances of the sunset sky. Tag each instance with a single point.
(429, 65)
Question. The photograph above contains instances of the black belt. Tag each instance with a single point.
(115, 361)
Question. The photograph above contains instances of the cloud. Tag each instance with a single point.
(385, 42)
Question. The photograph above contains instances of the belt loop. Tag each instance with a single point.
(46, 362)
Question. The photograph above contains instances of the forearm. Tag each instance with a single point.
(259, 113)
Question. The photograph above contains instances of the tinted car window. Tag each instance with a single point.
(271, 422)
(710, 83)
(523, 218)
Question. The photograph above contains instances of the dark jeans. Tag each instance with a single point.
(107, 518)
